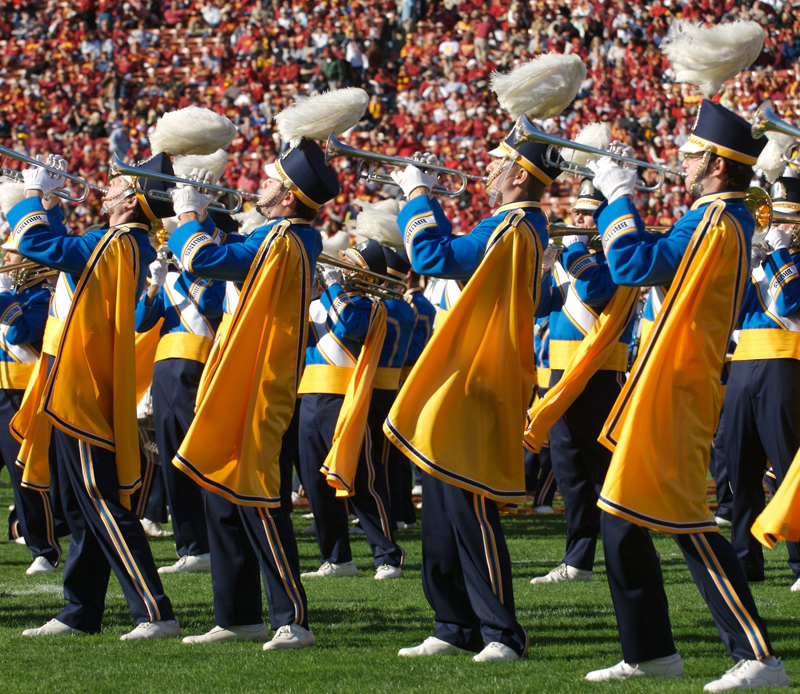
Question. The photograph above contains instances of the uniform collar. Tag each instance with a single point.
(519, 205)
(293, 221)
(729, 196)
(133, 226)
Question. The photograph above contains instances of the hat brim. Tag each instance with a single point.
(498, 153)
(272, 171)
(690, 148)
(9, 246)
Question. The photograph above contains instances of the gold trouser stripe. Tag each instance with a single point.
(561, 352)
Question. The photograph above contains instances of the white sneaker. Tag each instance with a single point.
(310, 530)
(244, 632)
(296, 498)
(307, 516)
(290, 636)
(431, 646)
(796, 586)
(40, 565)
(544, 510)
(387, 571)
(495, 651)
(154, 529)
(659, 668)
(348, 568)
(416, 490)
(54, 628)
(197, 564)
(720, 521)
(19, 540)
(751, 674)
(562, 573)
(163, 629)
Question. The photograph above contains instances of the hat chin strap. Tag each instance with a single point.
(696, 184)
(497, 179)
(266, 204)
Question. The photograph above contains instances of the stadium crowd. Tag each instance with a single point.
(90, 78)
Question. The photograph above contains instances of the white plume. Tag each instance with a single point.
(709, 56)
(215, 163)
(770, 160)
(597, 135)
(541, 88)
(11, 192)
(316, 117)
(191, 130)
(378, 220)
(340, 241)
(249, 220)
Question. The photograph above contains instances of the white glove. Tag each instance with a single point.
(188, 199)
(6, 282)
(158, 272)
(37, 178)
(777, 239)
(620, 148)
(569, 240)
(202, 176)
(549, 257)
(611, 179)
(757, 256)
(331, 275)
(411, 178)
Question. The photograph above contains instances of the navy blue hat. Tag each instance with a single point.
(722, 132)
(396, 265)
(304, 169)
(368, 255)
(531, 156)
(152, 208)
(589, 198)
(786, 195)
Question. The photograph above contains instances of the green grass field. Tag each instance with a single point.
(360, 623)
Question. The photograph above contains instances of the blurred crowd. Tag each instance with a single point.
(90, 77)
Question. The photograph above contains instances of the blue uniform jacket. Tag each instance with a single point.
(339, 323)
(400, 321)
(23, 316)
(426, 317)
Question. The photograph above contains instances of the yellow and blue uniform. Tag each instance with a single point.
(423, 328)
(762, 403)
(638, 258)
(271, 544)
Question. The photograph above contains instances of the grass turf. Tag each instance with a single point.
(360, 623)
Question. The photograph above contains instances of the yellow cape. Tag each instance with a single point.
(342, 459)
(592, 353)
(780, 520)
(249, 387)
(461, 411)
(661, 426)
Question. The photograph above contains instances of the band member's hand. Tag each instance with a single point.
(620, 148)
(331, 275)
(757, 256)
(777, 239)
(611, 179)
(201, 176)
(158, 272)
(37, 178)
(6, 282)
(569, 240)
(188, 199)
(411, 178)
(549, 257)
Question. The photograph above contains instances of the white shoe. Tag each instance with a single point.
(154, 529)
(310, 530)
(416, 490)
(54, 628)
(495, 651)
(66, 539)
(348, 568)
(751, 674)
(244, 632)
(307, 516)
(544, 510)
(406, 526)
(296, 498)
(659, 668)
(387, 571)
(19, 540)
(720, 521)
(163, 629)
(197, 564)
(796, 586)
(431, 646)
(40, 565)
(563, 573)
(290, 636)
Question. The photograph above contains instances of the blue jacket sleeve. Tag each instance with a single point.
(209, 297)
(28, 325)
(147, 316)
(194, 246)
(784, 282)
(636, 257)
(590, 275)
(348, 313)
(55, 218)
(547, 287)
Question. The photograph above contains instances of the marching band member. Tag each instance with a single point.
(90, 398)
(762, 402)
(580, 290)
(344, 323)
(662, 424)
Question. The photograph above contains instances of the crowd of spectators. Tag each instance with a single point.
(90, 77)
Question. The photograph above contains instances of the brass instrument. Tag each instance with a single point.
(366, 281)
(366, 159)
(765, 120)
(526, 132)
(15, 175)
(557, 231)
(759, 204)
(27, 272)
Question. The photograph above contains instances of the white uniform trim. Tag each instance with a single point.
(766, 292)
(191, 317)
(580, 314)
(21, 354)
(331, 349)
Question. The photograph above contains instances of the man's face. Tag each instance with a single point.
(583, 219)
(691, 163)
(12, 258)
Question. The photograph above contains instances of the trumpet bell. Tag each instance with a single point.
(759, 204)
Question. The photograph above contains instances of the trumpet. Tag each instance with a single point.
(759, 204)
(526, 132)
(27, 272)
(557, 231)
(367, 159)
(239, 196)
(366, 281)
(15, 175)
(765, 120)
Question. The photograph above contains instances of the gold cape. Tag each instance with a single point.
(461, 412)
(342, 460)
(250, 385)
(780, 520)
(594, 350)
(662, 424)
(145, 349)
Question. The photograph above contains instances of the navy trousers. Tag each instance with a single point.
(539, 477)
(34, 508)
(150, 500)
(640, 603)
(466, 569)
(105, 536)
(580, 462)
(762, 413)
(175, 383)
(318, 415)
(242, 540)
(719, 472)
(290, 458)
(399, 474)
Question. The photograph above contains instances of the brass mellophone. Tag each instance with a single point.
(365, 280)
(765, 120)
